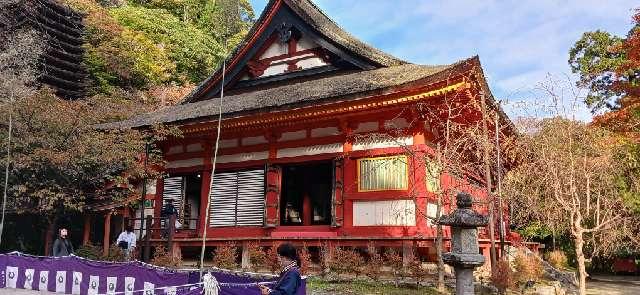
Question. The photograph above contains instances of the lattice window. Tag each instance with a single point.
(383, 173)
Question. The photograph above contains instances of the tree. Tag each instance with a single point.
(18, 60)
(61, 161)
(566, 176)
(137, 45)
(609, 67)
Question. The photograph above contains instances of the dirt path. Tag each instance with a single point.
(614, 285)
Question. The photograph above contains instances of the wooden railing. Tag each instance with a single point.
(159, 228)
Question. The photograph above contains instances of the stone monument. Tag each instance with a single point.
(464, 256)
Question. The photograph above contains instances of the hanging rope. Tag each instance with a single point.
(215, 155)
(6, 170)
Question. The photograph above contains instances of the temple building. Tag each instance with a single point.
(322, 141)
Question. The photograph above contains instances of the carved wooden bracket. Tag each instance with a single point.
(257, 67)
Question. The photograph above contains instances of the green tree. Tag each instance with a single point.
(595, 58)
(194, 52)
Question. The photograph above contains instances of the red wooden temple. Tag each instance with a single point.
(321, 141)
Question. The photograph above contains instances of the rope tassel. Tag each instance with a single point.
(211, 286)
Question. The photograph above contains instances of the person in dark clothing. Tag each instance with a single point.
(62, 246)
(167, 210)
(289, 280)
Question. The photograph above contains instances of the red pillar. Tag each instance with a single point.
(107, 233)
(306, 209)
(204, 198)
(86, 233)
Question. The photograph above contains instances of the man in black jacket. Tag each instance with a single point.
(167, 210)
(62, 246)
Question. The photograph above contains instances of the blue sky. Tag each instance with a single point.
(519, 43)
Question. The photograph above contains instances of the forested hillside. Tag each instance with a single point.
(140, 56)
(160, 47)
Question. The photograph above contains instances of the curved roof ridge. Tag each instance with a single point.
(324, 24)
(319, 21)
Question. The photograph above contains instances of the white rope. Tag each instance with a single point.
(215, 159)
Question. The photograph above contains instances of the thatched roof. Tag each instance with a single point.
(348, 86)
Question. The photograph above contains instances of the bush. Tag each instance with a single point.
(373, 267)
(557, 259)
(115, 254)
(162, 258)
(257, 255)
(528, 267)
(305, 259)
(502, 278)
(394, 260)
(90, 251)
(272, 258)
(326, 258)
(350, 262)
(225, 256)
(416, 270)
(94, 252)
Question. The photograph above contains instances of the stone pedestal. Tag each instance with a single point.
(464, 256)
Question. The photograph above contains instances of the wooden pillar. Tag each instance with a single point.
(486, 254)
(246, 257)
(407, 253)
(204, 198)
(48, 238)
(86, 233)
(172, 230)
(306, 209)
(107, 234)
(147, 236)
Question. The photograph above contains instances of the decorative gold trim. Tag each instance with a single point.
(287, 116)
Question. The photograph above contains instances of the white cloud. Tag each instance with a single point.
(519, 42)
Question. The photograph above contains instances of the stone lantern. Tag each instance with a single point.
(464, 256)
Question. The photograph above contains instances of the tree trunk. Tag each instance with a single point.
(582, 272)
(440, 261)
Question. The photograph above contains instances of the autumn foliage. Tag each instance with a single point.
(226, 256)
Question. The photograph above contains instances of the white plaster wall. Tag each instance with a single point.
(151, 186)
(185, 163)
(275, 49)
(228, 143)
(254, 140)
(325, 131)
(310, 150)
(293, 135)
(311, 63)
(397, 123)
(274, 70)
(176, 149)
(243, 157)
(305, 43)
(196, 147)
(378, 143)
(384, 213)
(366, 127)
